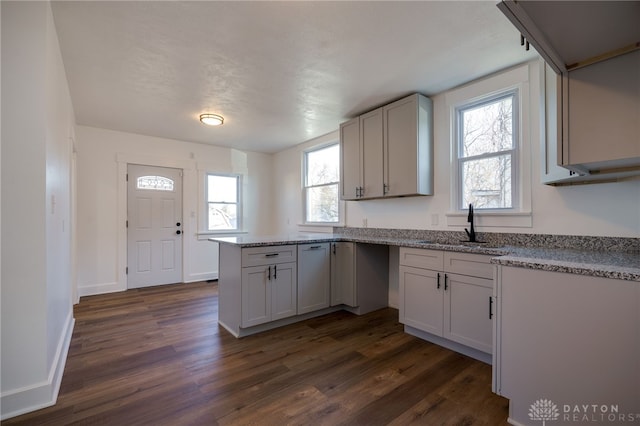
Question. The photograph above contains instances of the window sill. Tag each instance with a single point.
(492, 219)
(205, 235)
(318, 227)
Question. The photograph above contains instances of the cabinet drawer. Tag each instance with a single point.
(255, 256)
(474, 265)
(421, 258)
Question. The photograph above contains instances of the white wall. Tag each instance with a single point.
(606, 209)
(287, 178)
(37, 118)
(102, 158)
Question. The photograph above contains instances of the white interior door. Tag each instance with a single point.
(154, 231)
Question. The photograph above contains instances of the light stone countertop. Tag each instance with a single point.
(605, 264)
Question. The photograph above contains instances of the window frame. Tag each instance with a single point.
(514, 152)
(305, 185)
(238, 203)
(528, 79)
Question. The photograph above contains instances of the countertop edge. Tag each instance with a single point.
(505, 256)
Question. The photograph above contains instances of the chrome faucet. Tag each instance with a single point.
(471, 234)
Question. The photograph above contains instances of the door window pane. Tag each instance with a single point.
(158, 183)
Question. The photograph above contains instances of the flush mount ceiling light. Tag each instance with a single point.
(212, 119)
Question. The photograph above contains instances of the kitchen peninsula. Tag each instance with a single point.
(613, 258)
(527, 284)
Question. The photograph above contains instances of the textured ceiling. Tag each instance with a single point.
(280, 73)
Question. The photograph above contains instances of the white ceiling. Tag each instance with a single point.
(280, 73)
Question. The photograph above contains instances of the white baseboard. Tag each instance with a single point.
(43, 394)
(201, 276)
(91, 290)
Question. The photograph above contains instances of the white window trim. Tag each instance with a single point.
(204, 211)
(526, 79)
(303, 179)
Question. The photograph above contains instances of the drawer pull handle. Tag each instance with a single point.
(272, 255)
(315, 247)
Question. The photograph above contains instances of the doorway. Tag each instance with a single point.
(154, 226)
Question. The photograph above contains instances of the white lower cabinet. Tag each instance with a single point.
(571, 339)
(314, 277)
(448, 295)
(268, 293)
(260, 288)
(269, 289)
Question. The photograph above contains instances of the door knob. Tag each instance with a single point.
(178, 232)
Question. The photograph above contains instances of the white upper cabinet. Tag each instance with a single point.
(408, 147)
(594, 47)
(571, 34)
(350, 160)
(602, 113)
(393, 156)
(372, 143)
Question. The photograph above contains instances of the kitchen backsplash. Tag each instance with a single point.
(576, 242)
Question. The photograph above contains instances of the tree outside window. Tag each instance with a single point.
(486, 151)
(321, 181)
(223, 205)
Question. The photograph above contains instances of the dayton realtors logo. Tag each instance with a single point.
(546, 410)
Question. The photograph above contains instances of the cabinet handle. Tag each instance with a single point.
(272, 255)
(314, 247)
(385, 188)
(269, 275)
(438, 281)
(445, 282)
(334, 248)
(490, 307)
(275, 272)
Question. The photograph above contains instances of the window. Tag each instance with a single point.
(223, 202)
(487, 143)
(321, 181)
(158, 183)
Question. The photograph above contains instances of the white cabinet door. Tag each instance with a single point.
(268, 293)
(371, 135)
(408, 147)
(574, 339)
(284, 289)
(350, 160)
(343, 280)
(314, 277)
(421, 299)
(603, 113)
(467, 311)
(256, 295)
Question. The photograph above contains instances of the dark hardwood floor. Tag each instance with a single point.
(157, 356)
